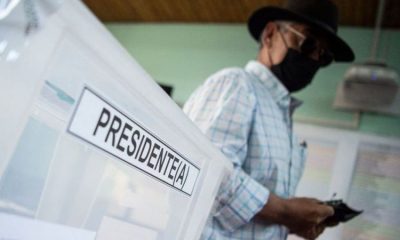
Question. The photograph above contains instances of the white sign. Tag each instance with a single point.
(103, 125)
(20, 228)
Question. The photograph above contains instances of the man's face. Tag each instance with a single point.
(300, 38)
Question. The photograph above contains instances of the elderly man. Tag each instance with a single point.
(247, 114)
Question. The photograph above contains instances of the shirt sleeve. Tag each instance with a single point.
(223, 109)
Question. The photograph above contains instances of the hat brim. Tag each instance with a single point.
(256, 24)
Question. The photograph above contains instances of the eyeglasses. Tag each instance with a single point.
(309, 45)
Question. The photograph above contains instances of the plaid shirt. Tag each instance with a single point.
(247, 113)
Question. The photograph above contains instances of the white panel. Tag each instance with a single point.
(363, 171)
(61, 175)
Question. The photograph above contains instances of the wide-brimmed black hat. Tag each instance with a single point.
(321, 15)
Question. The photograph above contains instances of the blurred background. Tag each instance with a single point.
(181, 42)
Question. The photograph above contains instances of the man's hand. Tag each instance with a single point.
(305, 213)
(315, 231)
(312, 233)
(330, 224)
(299, 215)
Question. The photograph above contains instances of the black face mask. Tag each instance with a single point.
(296, 70)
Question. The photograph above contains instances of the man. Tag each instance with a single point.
(247, 114)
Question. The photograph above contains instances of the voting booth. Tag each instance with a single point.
(91, 147)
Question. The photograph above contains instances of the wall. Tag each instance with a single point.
(183, 55)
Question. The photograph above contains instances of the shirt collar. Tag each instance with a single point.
(278, 91)
(294, 104)
(275, 87)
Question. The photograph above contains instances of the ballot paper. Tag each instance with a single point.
(13, 227)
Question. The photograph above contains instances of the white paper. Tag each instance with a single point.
(20, 228)
(112, 229)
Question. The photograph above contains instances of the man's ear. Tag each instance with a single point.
(266, 36)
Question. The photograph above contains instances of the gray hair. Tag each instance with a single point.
(264, 32)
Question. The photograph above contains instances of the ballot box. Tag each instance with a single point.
(91, 147)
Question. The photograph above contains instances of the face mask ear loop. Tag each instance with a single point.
(283, 38)
(269, 57)
(284, 42)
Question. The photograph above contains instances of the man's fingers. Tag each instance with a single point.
(326, 211)
(330, 211)
(320, 229)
